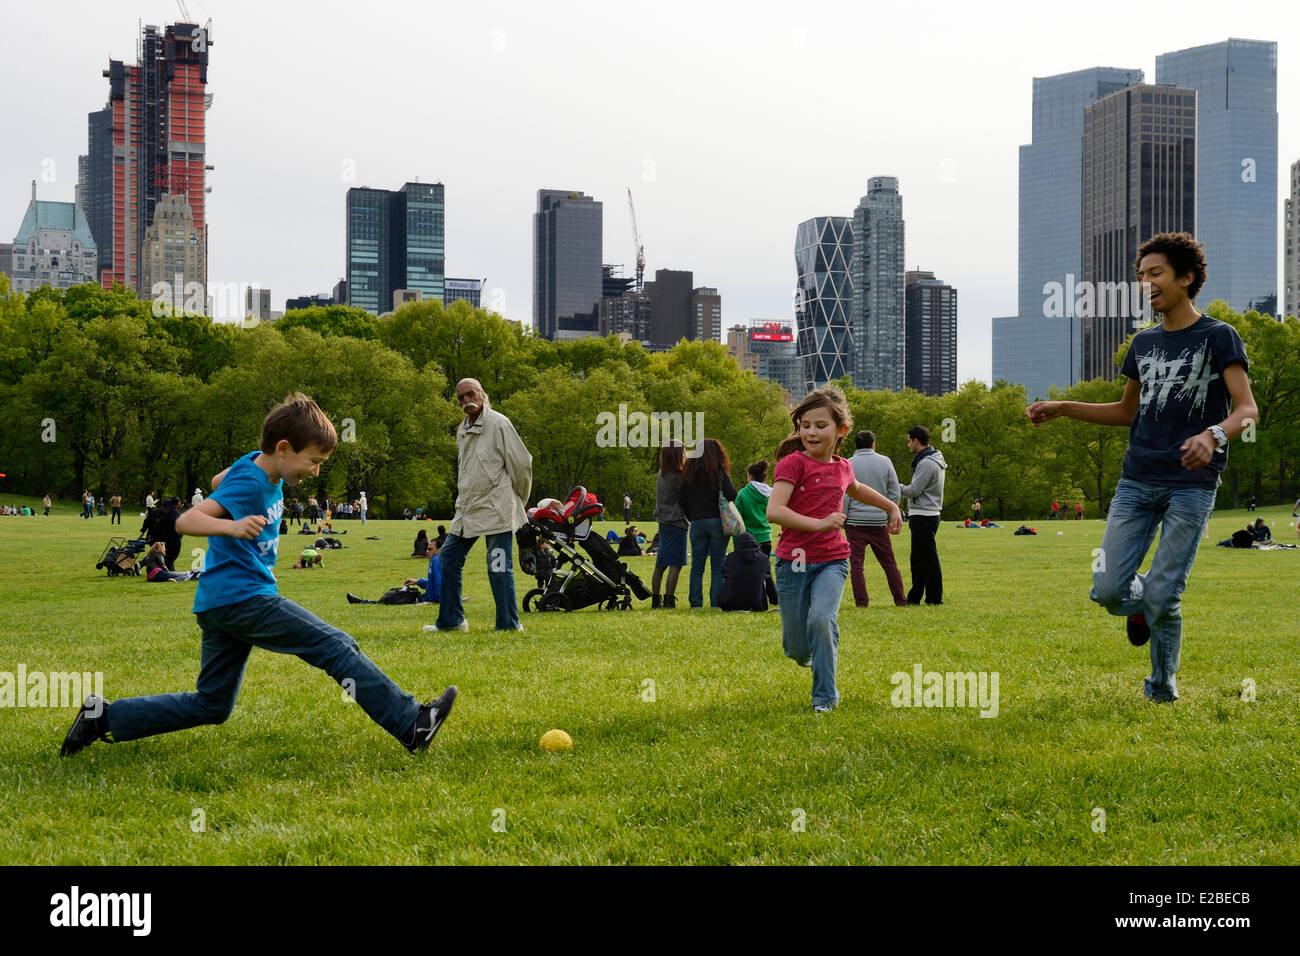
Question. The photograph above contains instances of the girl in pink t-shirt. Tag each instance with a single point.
(812, 554)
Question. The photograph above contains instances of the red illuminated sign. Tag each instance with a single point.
(771, 332)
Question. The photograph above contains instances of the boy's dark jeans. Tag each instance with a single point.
(273, 623)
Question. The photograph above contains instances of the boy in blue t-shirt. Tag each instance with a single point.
(1187, 394)
(238, 607)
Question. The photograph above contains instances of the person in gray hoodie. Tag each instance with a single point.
(926, 495)
(865, 525)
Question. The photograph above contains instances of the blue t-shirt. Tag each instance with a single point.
(1183, 394)
(234, 569)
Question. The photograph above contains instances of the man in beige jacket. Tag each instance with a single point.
(494, 476)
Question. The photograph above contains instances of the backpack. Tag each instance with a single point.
(402, 595)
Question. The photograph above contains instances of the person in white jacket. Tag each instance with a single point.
(494, 477)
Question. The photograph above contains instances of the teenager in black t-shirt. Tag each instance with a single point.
(1187, 394)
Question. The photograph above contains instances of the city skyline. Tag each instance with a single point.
(494, 104)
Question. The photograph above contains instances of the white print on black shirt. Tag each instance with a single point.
(1186, 376)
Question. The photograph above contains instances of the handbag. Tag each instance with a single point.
(732, 524)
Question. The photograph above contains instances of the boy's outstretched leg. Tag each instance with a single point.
(220, 674)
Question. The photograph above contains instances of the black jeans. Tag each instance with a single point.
(927, 576)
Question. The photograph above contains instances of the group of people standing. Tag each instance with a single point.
(691, 491)
(88, 506)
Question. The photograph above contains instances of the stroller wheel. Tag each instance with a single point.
(609, 604)
(533, 600)
(556, 602)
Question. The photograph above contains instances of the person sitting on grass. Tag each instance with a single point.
(629, 546)
(154, 566)
(238, 606)
(421, 547)
(1260, 531)
(430, 585)
(747, 583)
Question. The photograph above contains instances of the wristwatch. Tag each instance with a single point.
(1220, 437)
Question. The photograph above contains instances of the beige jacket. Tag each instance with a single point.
(495, 476)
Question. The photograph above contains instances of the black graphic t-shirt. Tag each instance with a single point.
(1183, 394)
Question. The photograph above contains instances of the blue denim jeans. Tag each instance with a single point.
(276, 624)
(501, 578)
(810, 629)
(707, 543)
(1135, 512)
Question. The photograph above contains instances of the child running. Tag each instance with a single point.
(812, 554)
(238, 607)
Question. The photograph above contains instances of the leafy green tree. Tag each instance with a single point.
(332, 320)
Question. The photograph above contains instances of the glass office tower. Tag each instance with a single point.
(369, 250)
(1139, 179)
(567, 274)
(1050, 169)
(396, 240)
(1236, 165)
(420, 240)
(878, 316)
(823, 250)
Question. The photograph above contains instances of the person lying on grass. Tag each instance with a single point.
(154, 566)
(238, 607)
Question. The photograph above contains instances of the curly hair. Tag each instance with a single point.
(1184, 254)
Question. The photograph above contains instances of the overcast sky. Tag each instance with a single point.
(731, 123)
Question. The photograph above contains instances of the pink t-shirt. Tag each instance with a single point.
(818, 491)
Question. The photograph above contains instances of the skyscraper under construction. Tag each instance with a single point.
(146, 148)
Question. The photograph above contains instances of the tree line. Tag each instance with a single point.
(102, 393)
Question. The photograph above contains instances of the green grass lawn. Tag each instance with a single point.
(694, 740)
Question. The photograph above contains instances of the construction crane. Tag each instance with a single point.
(636, 242)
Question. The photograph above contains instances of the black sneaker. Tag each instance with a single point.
(91, 724)
(353, 599)
(429, 720)
(1139, 632)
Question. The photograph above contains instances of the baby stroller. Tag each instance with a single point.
(120, 556)
(597, 578)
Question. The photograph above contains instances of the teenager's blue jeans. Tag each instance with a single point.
(810, 631)
(501, 578)
(707, 543)
(1135, 512)
(273, 623)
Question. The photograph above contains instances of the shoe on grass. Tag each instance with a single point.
(822, 709)
(429, 720)
(462, 626)
(1139, 632)
(90, 724)
(353, 599)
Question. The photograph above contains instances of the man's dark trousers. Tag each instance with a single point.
(927, 577)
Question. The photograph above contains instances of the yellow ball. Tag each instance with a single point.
(553, 741)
